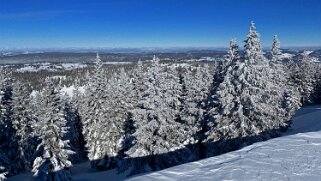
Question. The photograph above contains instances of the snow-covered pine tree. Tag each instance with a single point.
(37, 105)
(232, 54)
(275, 51)
(316, 96)
(252, 48)
(114, 117)
(76, 110)
(22, 122)
(220, 71)
(95, 98)
(74, 133)
(8, 139)
(3, 173)
(53, 152)
(158, 134)
(302, 75)
(92, 99)
(286, 97)
(3, 157)
(196, 87)
(135, 92)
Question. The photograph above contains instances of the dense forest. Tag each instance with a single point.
(150, 115)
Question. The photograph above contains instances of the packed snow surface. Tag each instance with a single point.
(294, 156)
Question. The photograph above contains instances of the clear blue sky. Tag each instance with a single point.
(156, 23)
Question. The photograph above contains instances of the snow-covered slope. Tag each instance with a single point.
(295, 156)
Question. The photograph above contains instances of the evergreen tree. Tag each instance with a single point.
(3, 137)
(135, 92)
(302, 75)
(53, 152)
(95, 116)
(75, 110)
(112, 121)
(2, 173)
(275, 51)
(8, 139)
(22, 122)
(196, 89)
(252, 48)
(233, 53)
(75, 131)
(316, 96)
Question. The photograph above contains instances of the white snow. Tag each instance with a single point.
(315, 59)
(67, 90)
(286, 56)
(65, 66)
(35, 68)
(50, 67)
(27, 68)
(116, 63)
(80, 172)
(295, 156)
(63, 91)
(73, 65)
(309, 52)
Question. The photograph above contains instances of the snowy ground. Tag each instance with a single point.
(51, 67)
(80, 172)
(295, 156)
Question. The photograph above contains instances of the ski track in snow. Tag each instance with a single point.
(295, 156)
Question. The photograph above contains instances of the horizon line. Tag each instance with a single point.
(147, 47)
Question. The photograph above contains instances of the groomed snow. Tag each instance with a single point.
(295, 156)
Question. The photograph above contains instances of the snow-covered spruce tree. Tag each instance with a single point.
(74, 133)
(92, 98)
(53, 152)
(232, 54)
(114, 117)
(221, 68)
(75, 111)
(288, 100)
(252, 48)
(135, 92)
(158, 134)
(8, 139)
(94, 117)
(38, 108)
(196, 87)
(316, 96)
(22, 122)
(2, 173)
(249, 105)
(275, 51)
(302, 75)
(3, 157)
(279, 76)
